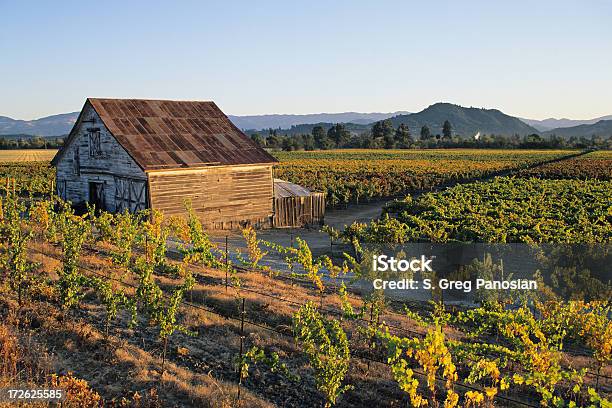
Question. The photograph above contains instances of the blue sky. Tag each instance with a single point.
(533, 59)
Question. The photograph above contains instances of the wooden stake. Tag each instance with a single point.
(226, 264)
(164, 354)
(241, 349)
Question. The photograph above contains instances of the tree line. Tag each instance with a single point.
(38, 142)
(384, 135)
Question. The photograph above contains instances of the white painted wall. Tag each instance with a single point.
(114, 162)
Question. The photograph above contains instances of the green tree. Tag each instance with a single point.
(339, 134)
(403, 138)
(257, 138)
(309, 142)
(287, 145)
(296, 142)
(425, 133)
(318, 133)
(274, 140)
(383, 128)
(320, 138)
(447, 130)
(389, 141)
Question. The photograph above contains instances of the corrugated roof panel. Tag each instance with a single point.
(284, 188)
(169, 134)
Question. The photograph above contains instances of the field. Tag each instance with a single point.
(353, 175)
(147, 311)
(596, 165)
(26, 155)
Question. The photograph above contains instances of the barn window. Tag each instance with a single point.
(77, 162)
(95, 148)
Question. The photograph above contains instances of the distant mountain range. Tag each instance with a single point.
(465, 122)
(259, 122)
(600, 128)
(552, 123)
(56, 125)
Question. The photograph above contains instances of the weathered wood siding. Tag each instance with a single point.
(299, 211)
(123, 181)
(224, 197)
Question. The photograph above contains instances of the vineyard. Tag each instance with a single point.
(143, 310)
(360, 175)
(32, 178)
(596, 165)
(511, 210)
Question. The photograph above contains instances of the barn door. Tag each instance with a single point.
(96, 195)
(122, 194)
(137, 195)
(130, 194)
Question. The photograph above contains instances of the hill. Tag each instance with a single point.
(54, 125)
(465, 121)
(275, 121)
(553, 123)
(601, 128)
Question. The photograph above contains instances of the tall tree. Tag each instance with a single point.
(447, 130)
(383, 128)
(287, 144)
(273, 141)
(257, 138)
(308, 142)
(403, 138)
(389, 141)
(339, 134)
(425, 133)
(319, 135)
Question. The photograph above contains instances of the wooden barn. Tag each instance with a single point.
(135, 154)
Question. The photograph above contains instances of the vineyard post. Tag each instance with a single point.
(371, 319)
(226, 263)
(147, 246)
(241, 346)
(164, 354)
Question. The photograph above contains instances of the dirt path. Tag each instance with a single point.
(318, 241)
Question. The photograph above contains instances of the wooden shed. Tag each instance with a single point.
(135, 154)
(296, 206)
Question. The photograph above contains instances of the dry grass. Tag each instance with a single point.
(122, 373)
(200, 370)
(26, 155)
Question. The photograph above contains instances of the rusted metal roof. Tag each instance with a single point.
(284, 188)
(161, 134)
